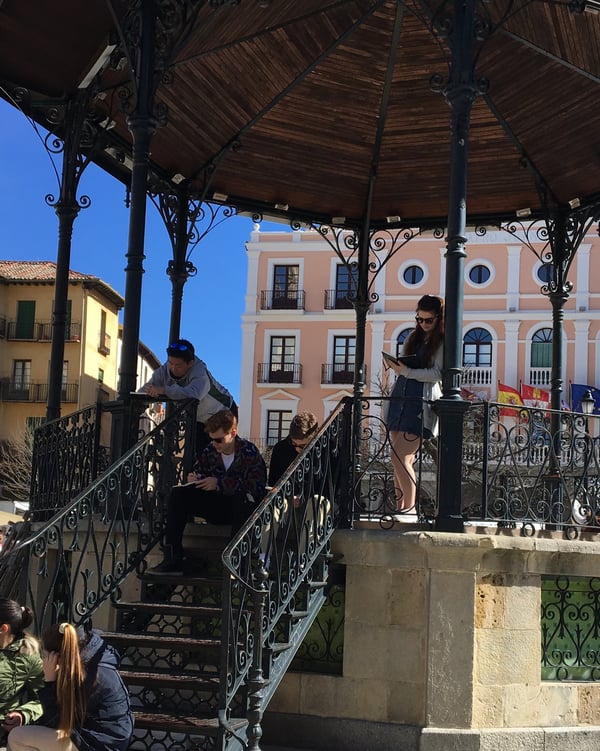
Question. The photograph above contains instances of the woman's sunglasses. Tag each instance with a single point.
(418, 319)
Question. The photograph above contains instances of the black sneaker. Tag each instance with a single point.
(172, 567)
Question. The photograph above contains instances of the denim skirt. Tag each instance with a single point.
(405, 412)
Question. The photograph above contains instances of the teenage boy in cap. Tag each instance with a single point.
(185, 376)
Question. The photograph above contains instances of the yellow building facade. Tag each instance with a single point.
(91, 342)
(299, 328)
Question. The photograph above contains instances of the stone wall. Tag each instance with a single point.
(442, 649)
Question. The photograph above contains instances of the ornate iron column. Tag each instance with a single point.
(67, 206)
(180, 268)
(188, 220)
(142, 123)
(74, 134)
(150, 35)
(460, 93)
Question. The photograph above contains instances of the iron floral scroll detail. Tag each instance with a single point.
(77, 560)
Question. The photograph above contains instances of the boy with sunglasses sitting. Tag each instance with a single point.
(229, 476)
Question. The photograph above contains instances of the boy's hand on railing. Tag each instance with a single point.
(154, 391)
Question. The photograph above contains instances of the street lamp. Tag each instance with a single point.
(587, 407)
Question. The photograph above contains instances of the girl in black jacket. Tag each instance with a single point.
(86, 705)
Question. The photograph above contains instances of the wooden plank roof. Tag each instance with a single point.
(304, 103)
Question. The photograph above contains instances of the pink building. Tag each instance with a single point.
(299, 330)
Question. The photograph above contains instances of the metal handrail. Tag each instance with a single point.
(275, 568)
(88, 548)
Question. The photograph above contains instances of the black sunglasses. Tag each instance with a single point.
(418, 319)
(217, 440)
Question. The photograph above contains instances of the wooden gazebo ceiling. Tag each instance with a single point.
(286, 102)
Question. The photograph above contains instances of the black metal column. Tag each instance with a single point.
(67, 208)
(460, 94)
(142, 125)
(559, 294)
(178, 270)
(361, 307)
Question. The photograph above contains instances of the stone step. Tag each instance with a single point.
(207, 726)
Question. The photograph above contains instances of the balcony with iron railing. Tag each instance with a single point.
(338, 372)
(336, 299)
(20, 391)
(3, 327)
(40, 331)
(291, 299)
(279, 372)
(104, 345)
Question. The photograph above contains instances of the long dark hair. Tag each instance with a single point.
(435, 306)
(16, 616)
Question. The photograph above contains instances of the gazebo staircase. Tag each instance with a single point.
(171, 642)
(202, 653)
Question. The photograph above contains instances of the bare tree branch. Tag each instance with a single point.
(16, 455)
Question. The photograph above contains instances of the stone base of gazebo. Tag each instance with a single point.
(442, 650)
(334, 734)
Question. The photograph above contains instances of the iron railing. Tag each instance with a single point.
(290, 299)
(338, 372)
(570, 631)
(41, 331)
(338, 300)
(516, 470)
(66, 567)
(276, 568)
(19, 391)
(65, 460)
(268, 372)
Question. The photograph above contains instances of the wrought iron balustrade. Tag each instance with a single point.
(290, 299)
(279, 372)
(104, 344)
(24, 391)
(72, 331)
(338, 300)
(276, 566)
(66, 567)
(570, 635)
(515, 469)
(40, 331)
(338, 372)
(65, 460)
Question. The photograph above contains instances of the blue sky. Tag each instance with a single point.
(213, 299)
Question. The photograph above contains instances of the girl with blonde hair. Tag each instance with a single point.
(86, 705)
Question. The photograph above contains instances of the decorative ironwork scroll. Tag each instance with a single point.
(83, 553)
(276, 568)
(570, 629)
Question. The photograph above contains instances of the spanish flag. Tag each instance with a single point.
(508, 395)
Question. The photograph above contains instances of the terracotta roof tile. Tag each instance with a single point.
(34, 271)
